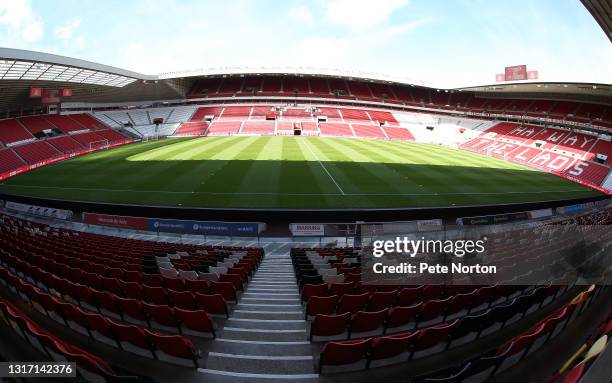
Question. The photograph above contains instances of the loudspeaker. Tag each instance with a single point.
(158, 121)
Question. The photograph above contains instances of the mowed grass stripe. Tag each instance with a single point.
(167, 173)
(498, 181)
(411, 176)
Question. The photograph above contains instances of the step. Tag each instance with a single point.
(274, 324)
(263, 335)
(266, 290)
(260, 314)
(257, 348)
(236, 377)
(260, 364)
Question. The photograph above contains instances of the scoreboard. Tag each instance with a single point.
(515, 73)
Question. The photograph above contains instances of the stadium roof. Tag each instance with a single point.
(18, 64)
(602, 13)
(99, 84)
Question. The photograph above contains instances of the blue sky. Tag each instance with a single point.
(439, 42)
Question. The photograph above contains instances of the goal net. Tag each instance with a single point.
(149, 137)
(98, 144)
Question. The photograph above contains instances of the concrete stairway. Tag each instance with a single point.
(265, 337)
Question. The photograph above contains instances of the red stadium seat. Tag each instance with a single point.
(381, 300)
(433, 309)
(437, 337)
(310, 290)
(390, 346)
(195, 322)
(131, 310)
(161, 316)
(107, 304)
(226, 289)
(101, 329)
(345, 352)
(156, 295)
(173, 348)
(409, 296)
(340, 289)
(133, 339)
(403, 316)
(213, 304)
(353, 302)
(197, 286)
(234, 279)
(321, 305)
(182, 299)
(329, 325)
(366, 321)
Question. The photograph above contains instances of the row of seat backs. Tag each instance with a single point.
(515, 349)
(28, 329)
(390, 345)
(175, 345)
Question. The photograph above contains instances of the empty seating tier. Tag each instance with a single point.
(36, 124)
(9, 161)
(203, 112)
(196, 128)
(257, 127)
(224, 128)
(398, 133)
(335, 129)
(12, 131)
(65, 144)
(36, 152)
(74, 122)
(87, 120)
(368, 131)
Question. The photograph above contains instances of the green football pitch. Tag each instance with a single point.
(291, 172)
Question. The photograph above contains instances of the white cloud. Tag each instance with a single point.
(322, 52)
(18, 23)
(359, 15)
(66, 31)
(302, 15)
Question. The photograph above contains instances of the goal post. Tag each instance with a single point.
(98, 144)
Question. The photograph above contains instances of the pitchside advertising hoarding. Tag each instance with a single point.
(203, 227)
(176, 226)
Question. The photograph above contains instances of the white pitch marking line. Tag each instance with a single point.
(324, 168)
(259, 357)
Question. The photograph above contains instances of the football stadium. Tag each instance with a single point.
(282, 215)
